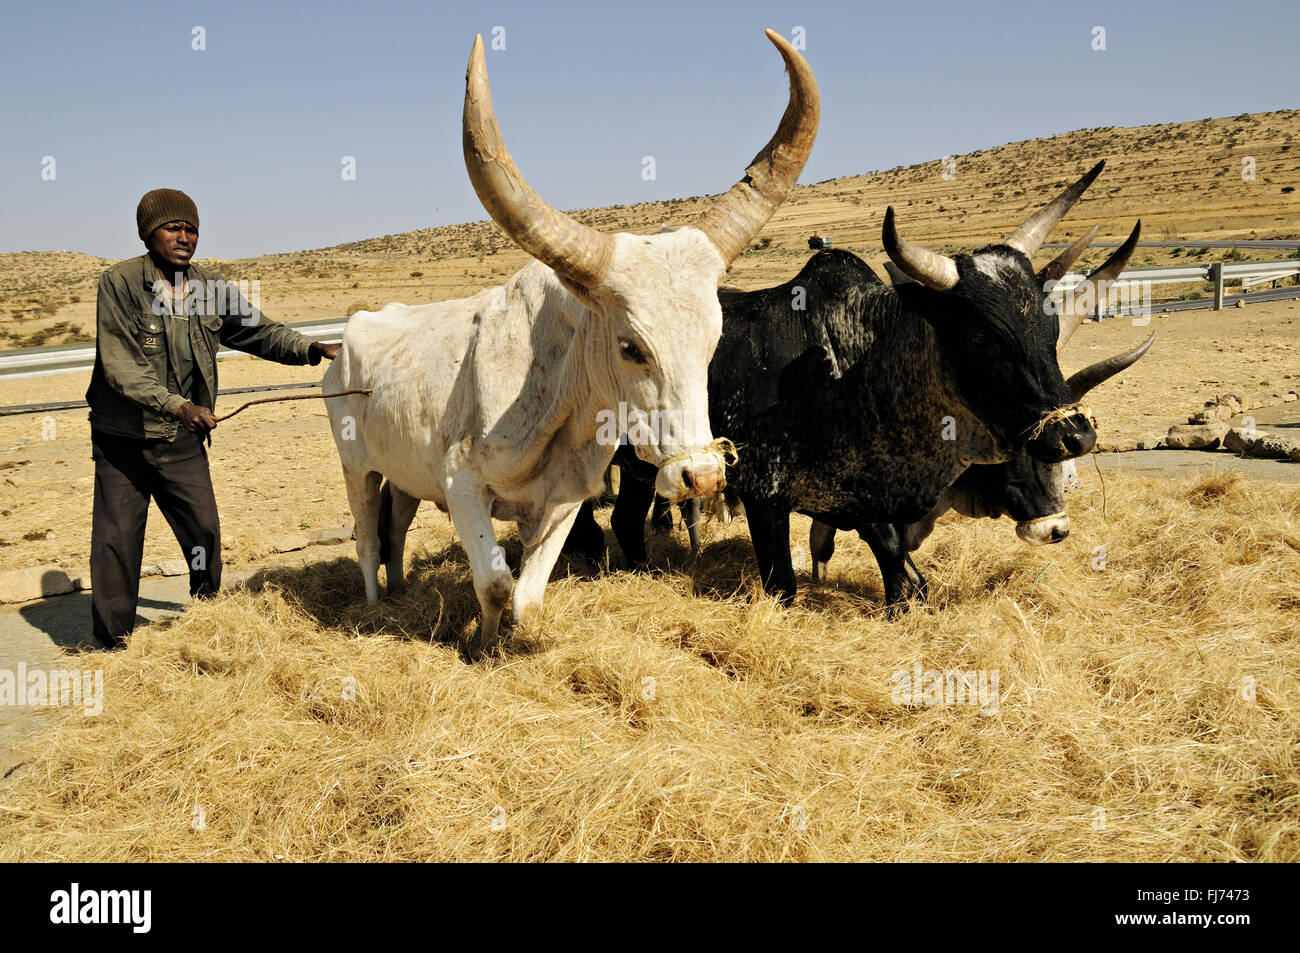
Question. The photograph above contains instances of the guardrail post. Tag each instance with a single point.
(1216, 275)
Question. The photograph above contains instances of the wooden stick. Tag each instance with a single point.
(272, 400)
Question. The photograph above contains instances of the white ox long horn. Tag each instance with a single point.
(1081, 382)
(1029, 236)
(920, 264)
(1072, 313)
(574, 250)
(736, 217)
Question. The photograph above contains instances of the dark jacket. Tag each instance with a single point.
(133, 389)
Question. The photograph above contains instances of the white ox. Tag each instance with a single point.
(491, 406)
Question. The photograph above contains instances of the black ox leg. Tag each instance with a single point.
(769, 530)
(628, 518)
(897, 571)
(821, 547)
(586, 538)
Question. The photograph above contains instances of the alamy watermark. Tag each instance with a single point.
(953, 686)
(214, 296)
(61, 688)
(1119, 296)
(130, 907)
(666, 428)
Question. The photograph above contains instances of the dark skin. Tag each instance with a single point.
(171, 246)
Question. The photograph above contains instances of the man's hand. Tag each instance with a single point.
(197, 420)
(319, 350)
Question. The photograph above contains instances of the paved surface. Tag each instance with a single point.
(1189, 464)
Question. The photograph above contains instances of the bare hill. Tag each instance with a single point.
(1184, 180)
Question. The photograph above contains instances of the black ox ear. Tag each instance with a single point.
(897, 276)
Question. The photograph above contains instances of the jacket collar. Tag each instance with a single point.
(151, 274)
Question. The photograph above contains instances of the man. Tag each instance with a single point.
(160, 321)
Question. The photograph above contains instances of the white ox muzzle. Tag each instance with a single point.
(694, 473)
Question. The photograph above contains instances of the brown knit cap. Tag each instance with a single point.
(162, 206)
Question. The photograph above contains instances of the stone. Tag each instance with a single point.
(1241, 303)
(35, 582)
(1239, 440)
(1204, 417)
(331, 537)
(174, 567)
(1196, 436)
(291, 543)
(1289, 396)
(1271, 446)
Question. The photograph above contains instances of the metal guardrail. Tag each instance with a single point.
(1135, 282)
(68, 359)
(1132, 284)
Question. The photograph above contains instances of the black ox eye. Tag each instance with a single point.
(630, 351)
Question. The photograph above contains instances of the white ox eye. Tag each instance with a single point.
(630, 351)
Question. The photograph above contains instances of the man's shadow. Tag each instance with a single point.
(65, 619)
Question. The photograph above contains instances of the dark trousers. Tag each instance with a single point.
(127, 473)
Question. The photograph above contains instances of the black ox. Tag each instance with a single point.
(860, 404)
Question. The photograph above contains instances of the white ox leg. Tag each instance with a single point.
(471, 514)
(363, 498)
(539, 560)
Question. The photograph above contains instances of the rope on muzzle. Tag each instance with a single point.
(720, 447)
(1060, 415)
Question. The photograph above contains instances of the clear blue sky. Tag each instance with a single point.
(255, 127)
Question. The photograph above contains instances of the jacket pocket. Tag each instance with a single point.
(149, 333)
(212, 322)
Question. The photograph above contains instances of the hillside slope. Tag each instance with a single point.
(1184, 180)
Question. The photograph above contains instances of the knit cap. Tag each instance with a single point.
(162, 206)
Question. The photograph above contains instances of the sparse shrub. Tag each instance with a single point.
(417, 274)
(356, 306)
